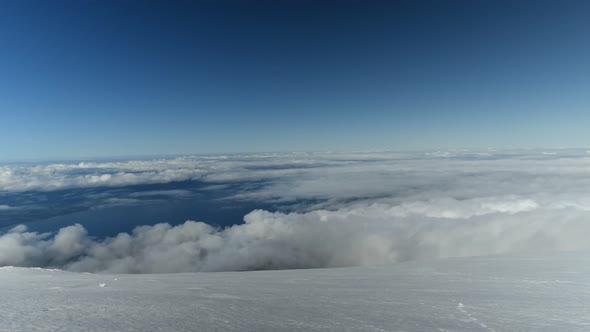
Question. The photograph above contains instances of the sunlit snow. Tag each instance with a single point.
(496, 293)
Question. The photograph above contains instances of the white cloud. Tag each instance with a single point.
(170, 193)
(312, 175)
(364, 234)
(86, 175)
(374, 208)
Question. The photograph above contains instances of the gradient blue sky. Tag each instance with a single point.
(97, 78)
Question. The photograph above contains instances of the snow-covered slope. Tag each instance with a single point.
(518, 293)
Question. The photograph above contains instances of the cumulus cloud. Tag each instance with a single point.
(366, 208)
(360, 235)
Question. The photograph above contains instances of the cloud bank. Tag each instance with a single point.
(284, 167)
(361, 235)
(364, 208)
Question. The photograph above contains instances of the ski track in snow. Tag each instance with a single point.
(501, 293)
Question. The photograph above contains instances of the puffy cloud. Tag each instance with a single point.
(358, 235)
(367, 208)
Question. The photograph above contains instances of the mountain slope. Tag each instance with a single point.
(499, 293)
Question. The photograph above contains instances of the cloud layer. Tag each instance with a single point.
(312, 168)
(366, 208)
(361, 235)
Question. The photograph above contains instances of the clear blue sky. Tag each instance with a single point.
(112, 78)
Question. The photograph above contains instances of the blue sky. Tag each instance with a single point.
(86, 79)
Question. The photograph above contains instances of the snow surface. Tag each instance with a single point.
(497, 293)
